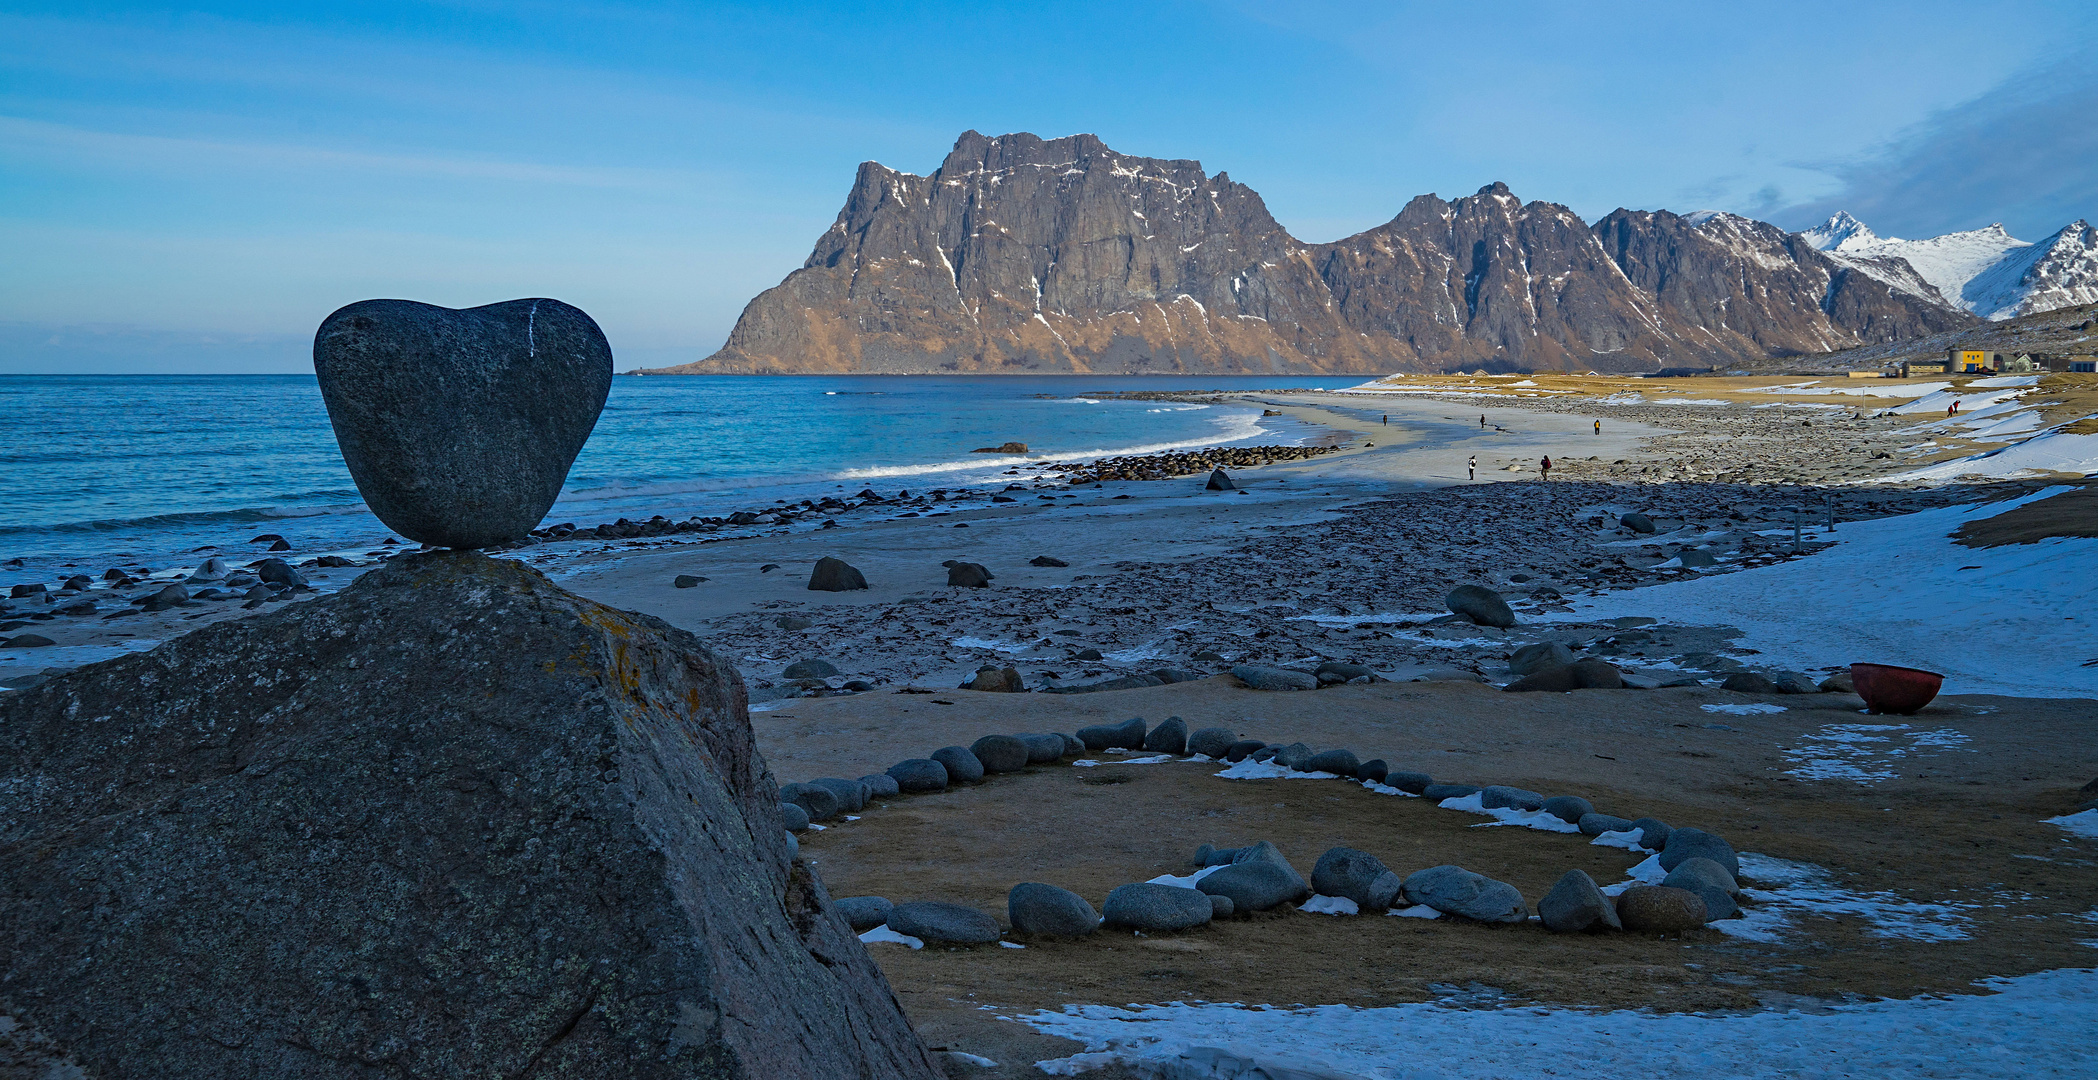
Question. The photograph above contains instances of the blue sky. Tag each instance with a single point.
(194, 188)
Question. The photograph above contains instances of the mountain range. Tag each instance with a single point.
(1985, 271)
(1022, 255)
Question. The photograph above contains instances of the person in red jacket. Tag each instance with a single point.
(1544, 468)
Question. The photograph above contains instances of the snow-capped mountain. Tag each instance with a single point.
(1986, 271)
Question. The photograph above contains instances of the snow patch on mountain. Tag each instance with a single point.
(1986, 271)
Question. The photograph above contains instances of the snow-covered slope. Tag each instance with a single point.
(1986, 271)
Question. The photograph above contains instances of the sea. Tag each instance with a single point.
(101, 470)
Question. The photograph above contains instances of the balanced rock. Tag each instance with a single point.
(835, 575)
(935, 920)
(1481, 605)
(585, 787)
(1575, 904)
(1660, 909)
(1035, 908)
(459, 426)
(1146, 906)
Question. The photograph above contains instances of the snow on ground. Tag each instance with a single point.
(1743, 710)
(2033, 1026)
(1969, 400)
(1779, 890)
(1864, 752)
(1508, 815)
(882, 934)
(1896, 591)
(2082, 824)
(1876, 388)
(2053, 452)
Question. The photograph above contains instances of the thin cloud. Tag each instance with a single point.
(2024, 154)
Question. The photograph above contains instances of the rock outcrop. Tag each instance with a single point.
(453, 821)
(1024, 255)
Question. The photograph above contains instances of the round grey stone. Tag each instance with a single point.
(1748, 682)
(279, 572)
(1568, 808)
(1481, 605)
(1260, 677)
(1660, 909)
(1220, 906)
(936, 920)
(835, 575)
(863, 913)
(1500, 796)
(881, 785)
(1695, 844)
(809, 669)
(1167, 738)
(1374, 770)
(459, 426)
(1256, 885)
(1439, 792)
(1337, 762)
(1292, 756)
(1413, 783)
(795, 818)
(1575, 904)
(1043, 749)
(1719, 903)
(999, 753)
(1357, 875)
(1211, 742)
(1453, 890)
(1145, 906)
(961, 765)
(1034, 908)
(1653, 833)
(1544, 654)
(1242, 749)
(1597, 824)
(1072, 745)
(852, 795)
(1127, 735)
(821, 802)
(919, 775)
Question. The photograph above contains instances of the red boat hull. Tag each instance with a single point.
(1900, 691)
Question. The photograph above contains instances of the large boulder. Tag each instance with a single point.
(937, 920)
(1453, 890)
(1258, 878)
(1685, 844)
(1148, 906)
(1576, 904)
(1357, 875)
(310, 842)
(835, 575)
(1481, 605)
(969, 575)
(459, 425)
(1533, 658)
(1660, 909)
(1035, 908)
(1211, 741)
(1000, 753)
(1167, 738)
(1127, 735)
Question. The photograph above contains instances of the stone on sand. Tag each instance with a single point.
(919, 775)
(1453, 890)
(1481, 605)
(1686, 844)
(835, 575)
(961, 765)
(1000, 753)
(937, 920)
(1127, 735)
(1043, 749)
(1036, 908)
(1575, 904)
(809, 669)
(969, 575)
(1220, 481)
(1169, 737)
(1211, 742)
(1147, 906)
(1534, 658)
(1357, 875)
(996, 680)
(864, 913)
(1260, 677)
(1660, 909)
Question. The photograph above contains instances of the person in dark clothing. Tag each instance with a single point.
(1544, 468)
(1472, 467)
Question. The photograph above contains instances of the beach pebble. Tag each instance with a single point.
(1035, 908)
(918, 775)
(1145, 906)
(1357, 875)
(1533, 658)
(1412, 783)
(1242, 749)
(1127, 735)
(996, 680)
(1337, 762)
(969, 575)
(961, 765)
(1653, 833)
(1043, 749)
(1660, 909)
(1481, 605)
(835, 575)
(1213, 742)
(936, 920)
(795, 817)
(999, 753)
(1439, 792)
(1637, 522)
(167, 597)
(1568, 808)
(852, 795)
(686, 581)
(1374, 770)
(1684, 844)
(1500, 796)
(279, 572)
(881, 785)
(1453, 890)
(821, 802)
(809, 669)
(1044, 560)
(864, 913)
(1220, 481)
(1272, 678)
(1169, 737)
(1575, 904)
(1593, 824)
(1748, 682)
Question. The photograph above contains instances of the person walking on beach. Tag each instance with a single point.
(1482, 420)
(1544, 468)
(1598, 427)
(1387, 419)
(1472, 467)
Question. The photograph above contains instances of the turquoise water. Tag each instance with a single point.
(94, 469)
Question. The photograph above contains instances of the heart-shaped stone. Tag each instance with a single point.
(459, 425)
